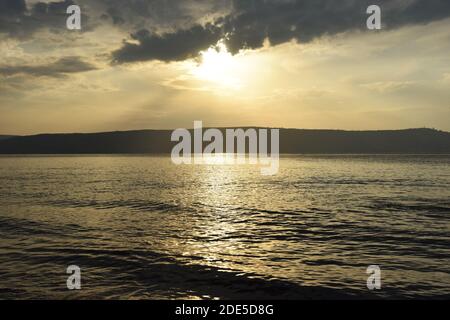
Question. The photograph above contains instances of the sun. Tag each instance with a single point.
(218, 66)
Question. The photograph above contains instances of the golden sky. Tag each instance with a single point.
(193, 62)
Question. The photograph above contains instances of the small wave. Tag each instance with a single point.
(139, 205)
(153, 274)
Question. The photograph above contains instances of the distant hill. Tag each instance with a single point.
(295, 141)
(5, 137)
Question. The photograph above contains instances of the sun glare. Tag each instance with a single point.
(218, 66)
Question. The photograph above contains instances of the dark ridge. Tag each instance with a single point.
(4, 137)
(293, 141)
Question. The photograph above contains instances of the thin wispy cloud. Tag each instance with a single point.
(61, 67)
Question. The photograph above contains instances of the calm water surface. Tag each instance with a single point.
(142, 228)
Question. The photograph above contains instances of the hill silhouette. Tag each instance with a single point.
(294, 141)
(5, 137)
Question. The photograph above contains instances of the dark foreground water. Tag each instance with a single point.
(143, 228)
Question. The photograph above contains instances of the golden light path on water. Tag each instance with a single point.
(219, 190)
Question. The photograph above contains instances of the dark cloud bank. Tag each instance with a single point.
(253, 21)
(241, 24)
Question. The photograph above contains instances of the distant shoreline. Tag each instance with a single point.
(292, 141)
(37, 155)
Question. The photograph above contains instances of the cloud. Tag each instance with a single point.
(61, 67)
(161, 13)
(177, 46)
(388, 86)
(446, 77)
(252, 22)
(20, 19)
(172, 30)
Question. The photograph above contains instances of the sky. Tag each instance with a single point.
(161, 64)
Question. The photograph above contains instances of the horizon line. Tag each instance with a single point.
(224, 127)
